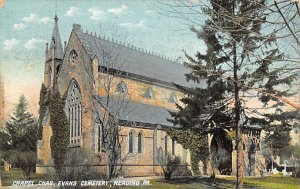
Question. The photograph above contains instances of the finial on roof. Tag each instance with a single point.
(76, 26)
(55, 18)
(56, 41)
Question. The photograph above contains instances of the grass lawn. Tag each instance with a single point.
(8, 177)
(270, 182)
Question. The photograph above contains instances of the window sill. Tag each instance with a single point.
(74, 145)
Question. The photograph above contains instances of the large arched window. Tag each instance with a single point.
(73, 105)
(140, 142)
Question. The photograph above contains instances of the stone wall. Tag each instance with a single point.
(137, 90)
(91, 82)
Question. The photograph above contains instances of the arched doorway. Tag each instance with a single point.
(221, 152)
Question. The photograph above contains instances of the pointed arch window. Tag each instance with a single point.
(122, 88)
(73, 105)
(131, 142)
(49, 74)
(58, 69)
(173, 98)
(166, 145)
(73, 56)
(173, 147)
(149, 93)
(140, 142)
(101, 136)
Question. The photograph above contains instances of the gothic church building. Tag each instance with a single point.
(104, 80)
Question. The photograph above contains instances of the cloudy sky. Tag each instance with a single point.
(25, 27)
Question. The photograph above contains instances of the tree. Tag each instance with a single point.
(5, 143)
(60, 126)
(21, 129)
(241, 65)
(113, 105)
(169, 165)
(42, 110)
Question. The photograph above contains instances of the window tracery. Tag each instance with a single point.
(73, 105)
(173, 98)
(149, 93)
(121, 88)
(73, 56)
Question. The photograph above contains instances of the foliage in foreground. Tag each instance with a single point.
(196, 143)
(60, 126)
(20, 145)
(42, 110)
(169, 165)
(271, 182)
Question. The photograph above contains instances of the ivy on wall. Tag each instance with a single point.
(60, 131)
(43, 108)
(196, 143)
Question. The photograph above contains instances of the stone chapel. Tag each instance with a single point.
(105, 82)
(104, 77)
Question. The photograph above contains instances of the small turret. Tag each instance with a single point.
(54, 55)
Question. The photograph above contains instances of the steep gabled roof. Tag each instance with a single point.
(130, 111)
(131, 60)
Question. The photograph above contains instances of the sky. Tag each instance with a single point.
(26, 26)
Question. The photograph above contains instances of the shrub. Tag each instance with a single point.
(296, 172)
(25, 160)
(170, 165)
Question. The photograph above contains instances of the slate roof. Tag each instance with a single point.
(135, 112)
(132, 60)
